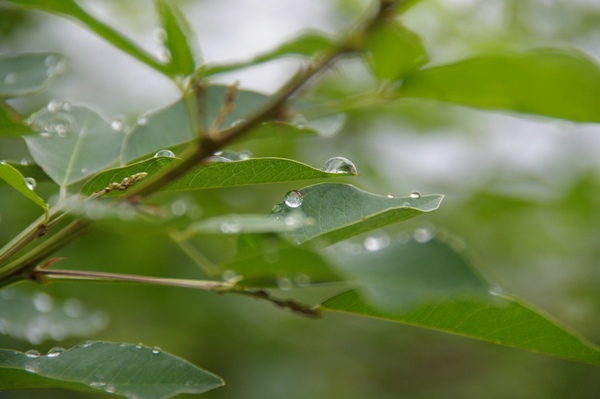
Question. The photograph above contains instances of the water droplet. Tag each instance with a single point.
(238, 122)
(390, 195)
(50, 61)
(30, 183)
(164, 153)
(415, 194)
(406, 204)
(46, 135)
(423, 235)
(32, 353)
(55, 352)
(230, 228)
(293, 199)
(24, 161)
(156, 350)
(84, 170)
(54, 106)
(496, 290)
(230, 276)
(299, 120)
(62, 124)
(10, 78)
(67, 106)
(163, 54)
(73, 307)
(143, 121)
(373, 244)
(31, 367)
(42, 302)
(276, 208)
(159, 35)
(86, 344)
(110, 389)
(179, 207)
(139, 346)
(3, 326)
(284, 283)
(118, 123)
(97, 382)
(245, 154)
(340, 165)
(302, 280)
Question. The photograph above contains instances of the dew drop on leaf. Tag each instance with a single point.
(117, 124)
(54, 106)
(245, 154)
(55, 352)
(164, 153)
(159, 35)
(340, 165)
(415, 194)
(284, 283)
(97, 382)
(32, 353)
(390, 195)
(293, 199)
(156, 350)
(30, 183)
(238, 122)
(143, 121)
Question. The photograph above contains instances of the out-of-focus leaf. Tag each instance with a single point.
(74, 143)
(342, 211)
(180, 40)
(393, 51)
(171, 126)
(213, 174)
(24, 185)
(127, 370)
(37, 317)
(26, 73)
(500, 320)
(238, 224)
(11, 123)
(305, 45)
(555, 83)
(70, 9)
(394, 274)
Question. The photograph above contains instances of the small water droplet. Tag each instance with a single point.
(32, 353)
(406, 204)
(299, 120)
(30, 183)
(163, 54)
(46, 134)
(10, 78)
(42, 302)
(340, 165)
(97, 382)
(373, 244)
(156, 350)
(230, 276)
(84, 170)
(24, 162)
(276, 208)
(143, 121)
(62, 124)
(245, 154)
(54, 106)
(230, 228)
(159, 35)
(293, 199)
(423, 235)
(390, 195)
(302, 280)
(118, 123)
(403, 237)
(110, 389)
(86, 344)
(415, 194)
(164, 153)
(284, 283)
(31, 367)
(55, 352)
(496, 290)
(67, 106)
(238, 122)
(139, 346)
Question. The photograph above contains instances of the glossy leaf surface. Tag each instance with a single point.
(26, 73)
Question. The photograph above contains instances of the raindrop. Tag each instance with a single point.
(390, 195)
(67, 106)
(164, 54)
(143, 121)
(302, 280)
(10, 78)
(406, 204)
(238, 122)
(230, 228)
(42, 302)
(415, 194)
(179, 207)
(118, 124)
(293, 199)
(299, 120)
(276, 208)
(284, 283)
(62, 124)
(373, 244)
(31, 368)
(245, 154)
(24, 162)
(496, 290)
(32, 353)
(110, 389)
(46, 135)
(50, 61)
(355, 249)
(97, 382)
(156, 350)
(230, 276)
(86, 344)
(84, 170)
(164, 153)
(139, 346)
(54, 106)
(55, 352)
(423, 235)
(159, 35)
(340, 165)
(73, 307)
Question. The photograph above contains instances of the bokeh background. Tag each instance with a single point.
(522, 193)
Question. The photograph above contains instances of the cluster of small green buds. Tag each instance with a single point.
(126, 182)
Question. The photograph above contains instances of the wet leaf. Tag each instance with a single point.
(342, 211)
(74, 143)
(555, 83)
(24, 185)
(27, 73)
(127, 370)
(11, 123)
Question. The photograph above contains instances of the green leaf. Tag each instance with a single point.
(500, 320)
(131, 371)
(393, 51)
(24, 185)
(172, 126)
(213, 174)
(555, 83)
(74, 143)
(397, 275)
(342, 211)
(11, 123)
(237, 224)
(36, 317)
(27, 73)
(30, 170)
(305, 45)
(180, 40)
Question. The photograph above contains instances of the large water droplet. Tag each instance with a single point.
(164, 153)
(284, 283)
(10, 78)
(32, 353)
(62, 124)
(55, 352)
(42, 302)
(340, 165)
(30, 183)
(415, 195)
(293, 199)
(245, 154)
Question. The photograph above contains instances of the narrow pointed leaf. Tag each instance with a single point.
(26, 73)
(180, 40)
(11, 123)
(305, 45)
(394, 51)
(26, 187)
(342, 211)
(172, 126)
(555, 83)
(29, 169)
(126, 370)
(73, 143)
(213, 174)
(499, 320)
